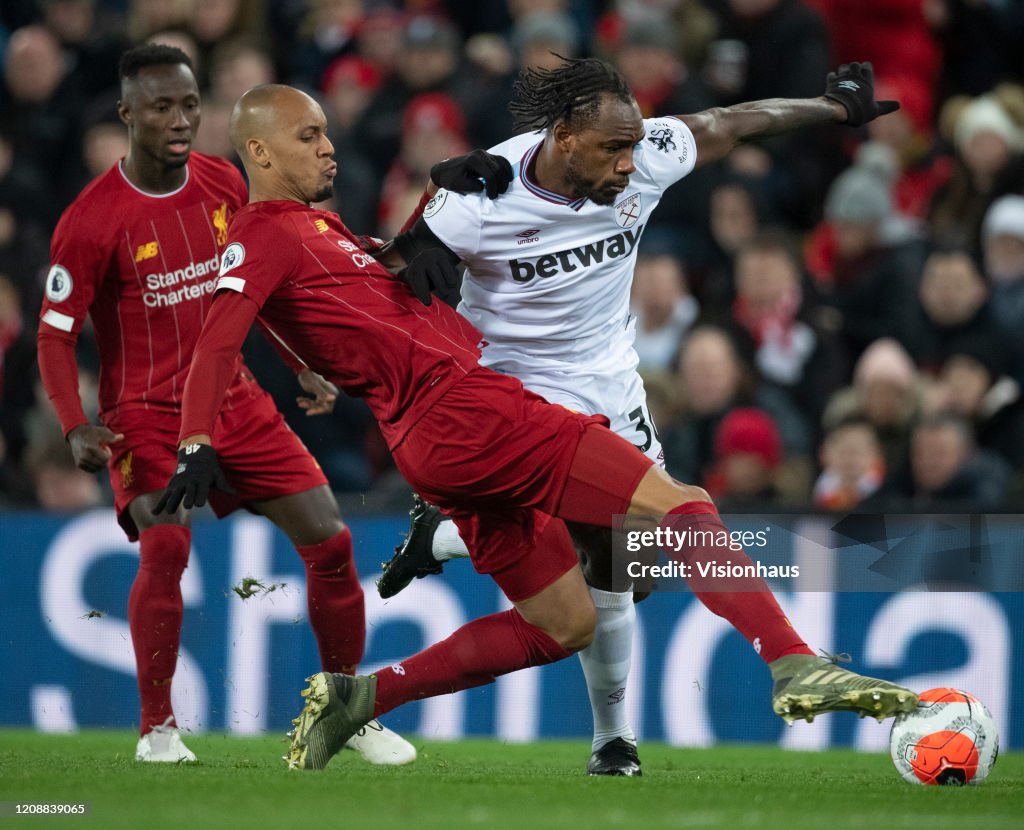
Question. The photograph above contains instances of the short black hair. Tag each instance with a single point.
(150, 54)
(570, 93)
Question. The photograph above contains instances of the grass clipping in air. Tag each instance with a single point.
(250, 587)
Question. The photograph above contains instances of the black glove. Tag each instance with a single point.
(473, 172)
(432, 270)
(853, 86)
(196, 473)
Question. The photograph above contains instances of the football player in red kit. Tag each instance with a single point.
(139, 251)
(507, 466)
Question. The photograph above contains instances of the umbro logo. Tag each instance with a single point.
(853, 86)
(528, 236)
(617, 696)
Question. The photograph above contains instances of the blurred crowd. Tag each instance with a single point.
(834, 318)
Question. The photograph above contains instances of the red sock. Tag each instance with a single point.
(335, 602)
(746, 602)
(475, 655)
(154, 618)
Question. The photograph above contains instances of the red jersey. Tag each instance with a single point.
(344, 314)
(144, 267)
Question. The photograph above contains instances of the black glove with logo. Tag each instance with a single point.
(853, 86)
(432, 271)
(472, 173)
(197, 471)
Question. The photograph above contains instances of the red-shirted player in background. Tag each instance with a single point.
(139, 252)
(501, 461)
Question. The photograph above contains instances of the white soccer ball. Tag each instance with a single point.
(950, 738)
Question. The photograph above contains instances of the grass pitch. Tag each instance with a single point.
(476, 783)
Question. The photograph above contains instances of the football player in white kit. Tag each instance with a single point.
(549, 266)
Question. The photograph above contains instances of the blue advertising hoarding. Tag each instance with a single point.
(66, 659)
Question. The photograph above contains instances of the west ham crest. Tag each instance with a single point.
(627, 212)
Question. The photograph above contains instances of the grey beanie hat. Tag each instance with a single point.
(859, 195)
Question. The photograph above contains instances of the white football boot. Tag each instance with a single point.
(163, 744)
(379, 745)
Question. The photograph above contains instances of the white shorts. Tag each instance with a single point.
(620, 397)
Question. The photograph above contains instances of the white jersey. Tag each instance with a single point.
(548, 278)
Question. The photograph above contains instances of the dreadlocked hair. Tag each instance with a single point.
(571, 94)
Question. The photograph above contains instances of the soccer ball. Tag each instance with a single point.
(949, 739)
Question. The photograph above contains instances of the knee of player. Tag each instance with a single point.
(335, 529)
(331, 523)
(308, 518)
(578, 632)
(691, 492)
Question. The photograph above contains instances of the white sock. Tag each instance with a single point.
(447, 542)
(606, 663)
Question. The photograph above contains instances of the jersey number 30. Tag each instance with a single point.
(643, 428)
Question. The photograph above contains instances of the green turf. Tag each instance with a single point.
(242, 783)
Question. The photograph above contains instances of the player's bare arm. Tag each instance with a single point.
(719, 131)
(324, 393)
(90, 446)
(849, 98)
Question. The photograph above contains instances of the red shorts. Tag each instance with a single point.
(260, 455)
(502, 461)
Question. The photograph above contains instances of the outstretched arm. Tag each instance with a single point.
(719, 131)
(849, 99)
